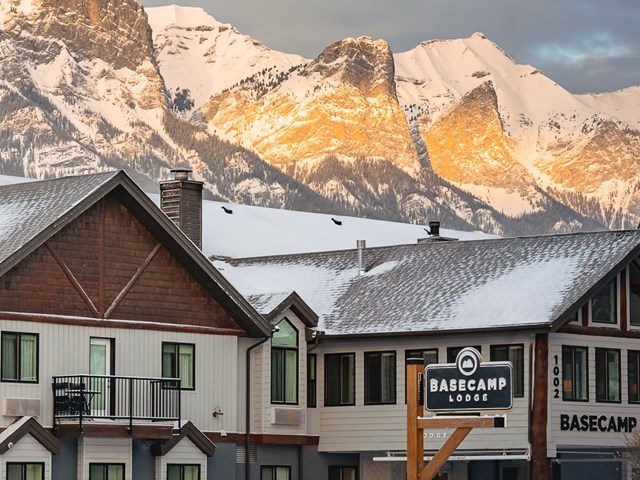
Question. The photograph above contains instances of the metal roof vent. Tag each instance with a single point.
(434, 228)
(361, 245)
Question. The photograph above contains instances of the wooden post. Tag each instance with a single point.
(415, 438)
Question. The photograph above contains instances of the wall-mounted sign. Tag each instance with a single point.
(469, 384)
(597, 423)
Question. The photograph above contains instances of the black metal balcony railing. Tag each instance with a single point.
(80, 397)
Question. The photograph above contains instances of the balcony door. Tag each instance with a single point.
(101, 362)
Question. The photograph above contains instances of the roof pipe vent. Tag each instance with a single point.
(361, 245)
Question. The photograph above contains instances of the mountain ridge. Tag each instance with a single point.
(358, 130)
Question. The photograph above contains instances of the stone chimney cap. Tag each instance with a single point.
(181, 173)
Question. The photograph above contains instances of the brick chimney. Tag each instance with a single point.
(181, 201)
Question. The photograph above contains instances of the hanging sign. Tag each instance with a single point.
(469, 384)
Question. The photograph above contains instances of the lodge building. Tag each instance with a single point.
(127, 354)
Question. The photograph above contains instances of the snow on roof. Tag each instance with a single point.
(27, 209)
(503, 283)
(258, 231)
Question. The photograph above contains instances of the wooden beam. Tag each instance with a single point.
(415, 439)
(132, 281)
(101, 260)
(540, 464)
(74, 281)
(440, 458)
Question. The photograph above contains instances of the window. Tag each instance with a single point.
(25, 471)
(183, 472)
(515, 355)
(284, 364)
(633, 367)
(380, 377)
(604, 305)
(574, 373)
(312, 360)
(634, 294)
(429, 355)
(275, 473)
(339, 379)
(343, 473)
(452, 353)
(106, 471)
(607, 375)
(19, 357)
(178, 361)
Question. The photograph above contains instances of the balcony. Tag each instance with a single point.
(125, 400)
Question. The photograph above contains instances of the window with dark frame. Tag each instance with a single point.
(19, 357)
(312, 360)
(275, 472)
(25, 471)
(633, 373)
(574, 373)
(106, 471)
(604, 304)
(343, 473)
(515, 355)
(452, 352)
(284, 364)
(177, 471)
(339, 379)
(607, 375)
(179, 361)
(429, 355)
(379, 378)
(634, 293)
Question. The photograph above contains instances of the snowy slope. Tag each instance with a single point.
(256, 231)
(198, 53)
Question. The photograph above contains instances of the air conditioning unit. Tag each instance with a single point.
(286, 416)
(20, 407)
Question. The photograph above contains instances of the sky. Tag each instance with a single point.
(583, 45)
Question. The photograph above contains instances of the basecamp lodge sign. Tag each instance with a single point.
(469, 384)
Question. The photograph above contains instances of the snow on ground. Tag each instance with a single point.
(257, 231)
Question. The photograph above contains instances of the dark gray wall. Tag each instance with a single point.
(222, 466)
(144, 464)
(65, 465)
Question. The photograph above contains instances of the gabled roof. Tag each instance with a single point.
(190, 431)
(528, 282)
(28, 426)
(292, 301)
(32, 212)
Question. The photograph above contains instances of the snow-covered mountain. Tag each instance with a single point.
(453, 130)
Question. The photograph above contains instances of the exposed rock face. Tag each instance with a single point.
(115, 31)
(609, 153)
(342, 104)
(468, 145)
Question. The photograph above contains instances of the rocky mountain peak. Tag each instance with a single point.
(90, 29)
(362, 62)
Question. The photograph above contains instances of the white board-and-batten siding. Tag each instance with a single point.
(103, 450)
(64, 350)
(383, 427)
(261, 386)
(27, 450)
(184, 453)
(557, 438)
